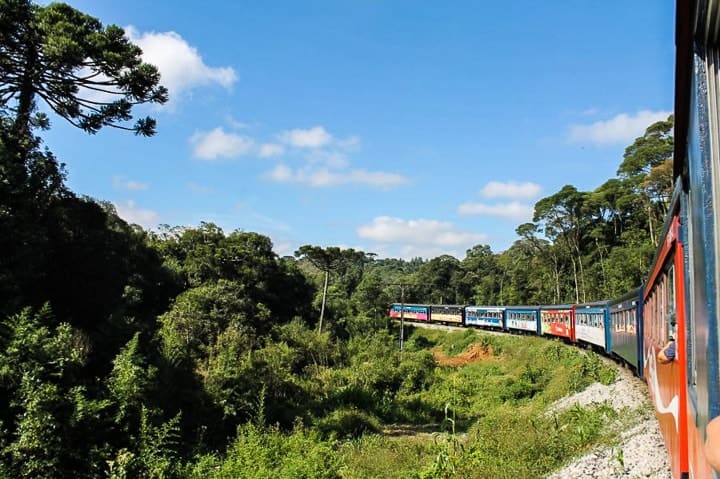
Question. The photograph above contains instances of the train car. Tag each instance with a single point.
(697, 143)
(664, 320)
(447, 314)
(523, 319)
(591, 324)
(626, 329)
(485, 316)
(558, 320)
(411, 312)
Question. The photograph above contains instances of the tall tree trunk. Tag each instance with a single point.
(322, 308)
(651, 223)
(602, 269)
(556, 271)
(582, 273)
(575, 276)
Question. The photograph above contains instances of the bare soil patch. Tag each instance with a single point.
(474, 353)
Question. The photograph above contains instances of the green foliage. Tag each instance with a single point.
(259, 452)
(129, 381)
(348, 424)
(154, 454)
(52, 420)
(446, 463)
(591, 369)
(62, 56)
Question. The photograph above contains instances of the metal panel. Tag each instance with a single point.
(486, 316)
(521, 318)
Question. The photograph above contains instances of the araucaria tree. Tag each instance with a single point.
(66, 60)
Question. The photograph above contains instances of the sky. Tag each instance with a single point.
(402, 128)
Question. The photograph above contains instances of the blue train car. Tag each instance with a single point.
(591, 324)
(697, 108)
(523, 319)
(485, 316)
(626, 328)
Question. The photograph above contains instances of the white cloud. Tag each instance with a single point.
(349, 143)
(513, 210)
(589, 112)
(315, 137)
(181, 66)
(324, 177)
(268, 150)
(330, 159)
(281, 173)
(121, 182)
(283, 248)
(385, 229)
(133, 214)
(511, 189)
(622, 128)
(217, 143)
(238, 125)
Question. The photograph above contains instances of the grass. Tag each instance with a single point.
(381, 414)
(497, 406)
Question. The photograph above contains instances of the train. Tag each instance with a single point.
(679, 299)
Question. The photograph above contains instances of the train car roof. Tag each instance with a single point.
(695, 20)
(557, 306)
(635, 293)
(674, 205)
(523, 307)
(485, 307)
(593, 304)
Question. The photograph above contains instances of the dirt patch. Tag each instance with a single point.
(474, 353)
(410, 430)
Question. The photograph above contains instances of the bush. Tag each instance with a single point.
(348, 424)
(259, 453)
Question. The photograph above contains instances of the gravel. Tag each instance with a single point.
(639, 451)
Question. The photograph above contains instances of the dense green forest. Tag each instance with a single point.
(195, 352)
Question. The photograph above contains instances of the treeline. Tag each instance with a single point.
(580, 247)
(128, 353)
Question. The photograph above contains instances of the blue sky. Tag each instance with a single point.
(395, 127)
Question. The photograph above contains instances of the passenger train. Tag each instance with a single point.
(680, 298)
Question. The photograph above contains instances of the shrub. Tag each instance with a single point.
(348, 424)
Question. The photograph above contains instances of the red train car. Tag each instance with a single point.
(663, 321)
(697, 123)
(558, 320)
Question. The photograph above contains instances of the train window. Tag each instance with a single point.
(670, 305)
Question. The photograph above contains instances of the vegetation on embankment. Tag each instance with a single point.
(405, 416)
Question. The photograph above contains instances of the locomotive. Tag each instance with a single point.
(679, 300)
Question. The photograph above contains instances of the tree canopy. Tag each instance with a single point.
(88, 74)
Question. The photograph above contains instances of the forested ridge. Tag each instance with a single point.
(196, 352)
